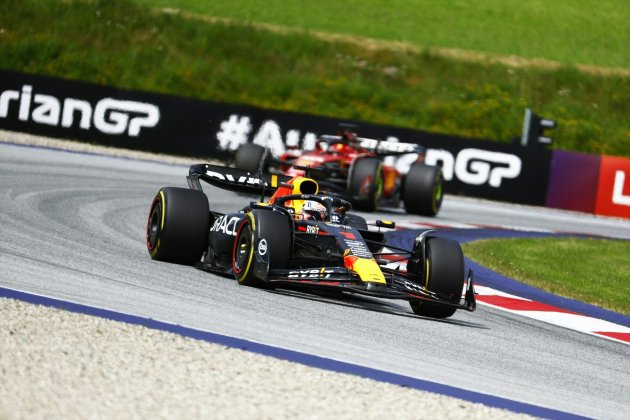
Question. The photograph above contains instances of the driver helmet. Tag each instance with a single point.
(349, 137)
(312, 210)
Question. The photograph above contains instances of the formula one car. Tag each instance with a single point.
(355, 168)
(299, 237)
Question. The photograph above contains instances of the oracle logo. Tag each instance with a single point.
(109, 115)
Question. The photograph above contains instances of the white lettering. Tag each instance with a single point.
(48, 110)
(618, 197)
(234, 132)
(25, 102)
(5, 98)
(111, 116)
(225, 225)
(293, 138)
(70, 106)
(472, 167)
(269, 136)
(314, 273)
(309, 141)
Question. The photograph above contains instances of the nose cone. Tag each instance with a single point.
(367, 268)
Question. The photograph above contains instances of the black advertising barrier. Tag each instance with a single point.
(182, 126)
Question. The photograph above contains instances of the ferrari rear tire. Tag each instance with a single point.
(423, 189)
(365, 183)
(252, 157)
(444, 275)
(178, 225)
(257, 226)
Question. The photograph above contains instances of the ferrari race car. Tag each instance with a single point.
(355, 168)
(298, 237)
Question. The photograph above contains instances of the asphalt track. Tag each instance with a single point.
(72, 228)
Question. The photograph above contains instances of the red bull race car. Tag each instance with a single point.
(299, 237)
(356, 169)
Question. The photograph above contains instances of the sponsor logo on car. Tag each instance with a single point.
(262, 247)
(245, 180)
(313, 273)
(226, 225)
(358, 248)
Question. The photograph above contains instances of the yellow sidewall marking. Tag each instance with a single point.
(426, 281)
(251, 251)
(163, 209)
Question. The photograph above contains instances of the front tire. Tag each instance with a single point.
(274, 229)
(444, 275)
(365, 183)
(178, 225)
(423, 189)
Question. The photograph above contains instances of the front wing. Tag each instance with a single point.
(398, 286)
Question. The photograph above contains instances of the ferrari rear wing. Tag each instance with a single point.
(234, 179)
(381, 147)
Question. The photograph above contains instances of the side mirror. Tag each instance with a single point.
(386, 224)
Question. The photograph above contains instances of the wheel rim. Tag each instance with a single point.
(438, 193)
(242, 249)
(154, 224)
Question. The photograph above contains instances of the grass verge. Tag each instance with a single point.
(593, 32)
(130, 45)
(590, 270)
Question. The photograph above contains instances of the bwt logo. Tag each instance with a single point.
(110, 116)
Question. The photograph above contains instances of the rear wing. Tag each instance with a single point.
(234, 179)
(381, 147)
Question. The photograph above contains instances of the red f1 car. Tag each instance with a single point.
(354, 168)
(300, 237)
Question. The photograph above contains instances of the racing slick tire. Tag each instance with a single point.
(422, 189)
(365, 183)
(178, 225)
(444, 276)
(252, 157)
(272, 227)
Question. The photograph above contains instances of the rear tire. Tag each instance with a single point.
(252, 157)
(365, 183)
(444, 276)
(178, 225)
(422, 189)
(271, 226)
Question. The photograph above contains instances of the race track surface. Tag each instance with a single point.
(72, 228)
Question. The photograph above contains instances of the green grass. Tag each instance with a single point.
(124, 43)
(592, 32)
(590, 270)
